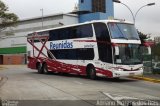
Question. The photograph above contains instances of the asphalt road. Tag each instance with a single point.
(21, 83)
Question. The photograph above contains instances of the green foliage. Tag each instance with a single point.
(142, 36)
(6, 19)
(156, 49)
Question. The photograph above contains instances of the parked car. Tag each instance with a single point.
(153, 67)
(156, 68)
(147, 66)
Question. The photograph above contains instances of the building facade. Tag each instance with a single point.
(13, 41)
(95, 10)
(156, 40)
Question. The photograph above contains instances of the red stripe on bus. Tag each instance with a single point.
(57, 66)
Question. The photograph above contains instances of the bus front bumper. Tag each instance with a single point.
(126, 73)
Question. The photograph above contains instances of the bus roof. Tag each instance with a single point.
(88, 22)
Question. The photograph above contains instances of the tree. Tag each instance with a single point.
(6, 19)
(143, 36)
(156, 49)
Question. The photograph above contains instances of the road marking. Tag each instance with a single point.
(77, 82)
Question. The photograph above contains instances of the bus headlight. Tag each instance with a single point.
(141, 68)
(120, 69)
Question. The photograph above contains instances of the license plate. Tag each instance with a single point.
(131, 74)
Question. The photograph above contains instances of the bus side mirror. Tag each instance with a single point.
(116, 50)
(145, 50)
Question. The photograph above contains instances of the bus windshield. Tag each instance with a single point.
(123, 31)
(129, 54)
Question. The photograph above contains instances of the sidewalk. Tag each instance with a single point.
(3, 67)
(148, 77)
(155, 76)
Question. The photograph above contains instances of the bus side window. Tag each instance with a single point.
(81, 31)
(103, 39)
(74, 32)
(85, 54)
(102, 33)
(85, 31)
(73, 54)
(53, 35)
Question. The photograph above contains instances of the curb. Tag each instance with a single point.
(146, 79)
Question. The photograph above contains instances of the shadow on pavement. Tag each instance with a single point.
(102, 79)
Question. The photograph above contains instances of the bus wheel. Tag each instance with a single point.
(92, 73)
(39, 68)
(45, 69)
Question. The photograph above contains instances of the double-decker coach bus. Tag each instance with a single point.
(110, 48)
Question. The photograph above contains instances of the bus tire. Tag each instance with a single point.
(45, 69)
(91, 72)
(39, 68)
(117, 78)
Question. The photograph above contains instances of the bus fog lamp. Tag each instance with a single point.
(140, 68)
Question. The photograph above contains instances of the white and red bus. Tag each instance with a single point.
(110, 48)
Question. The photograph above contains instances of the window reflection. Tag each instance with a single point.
(123, 31)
